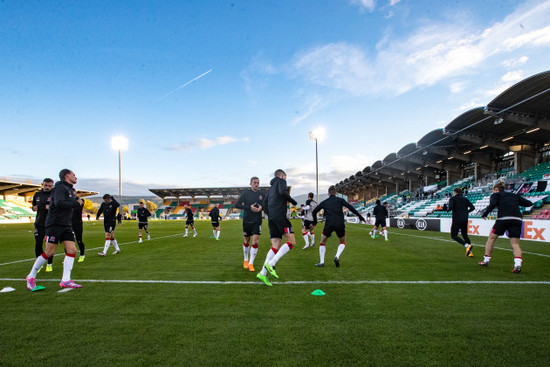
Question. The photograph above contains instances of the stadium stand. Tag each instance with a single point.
(16, 200)
(200, 200)
(507, 140)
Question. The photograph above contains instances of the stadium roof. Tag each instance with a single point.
(27, 189)
(480, 135)
(203, 191)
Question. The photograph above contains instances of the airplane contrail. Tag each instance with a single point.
(184, 85)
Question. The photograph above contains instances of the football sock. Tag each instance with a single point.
(38, 263)
(282, 251)
(312, 238)
(253, 253)
(270, 254)
(67, 267)
(246, 250)
(486, 258)
(186, 231)
(341, 248)
(107, 244)
(306, 239)
(466, 245)
(374, 233)
(50, 260)
(115, 244)
(140, 237)
(218, 235)
(194, 231)
(517, 261)
(385, 233)
(214, 232)
(322, 250)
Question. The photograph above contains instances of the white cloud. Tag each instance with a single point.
(394, 2)
(435, 52)
(469, 105)
(515, 62)
(513, 76)
(365, 4)
(457, 87)
(204, 143)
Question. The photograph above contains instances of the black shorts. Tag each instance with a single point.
(513, 226)
(143, 225)
(190, 222)
(109, 226)
(340, 229)
(308, 224)
(380, 223)
(250, 229)
(215, 224)
(278, 227)
(57, 234)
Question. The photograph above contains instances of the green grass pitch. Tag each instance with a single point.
(176, 301)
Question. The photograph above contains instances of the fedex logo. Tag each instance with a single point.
(530, 232)
(472, 228)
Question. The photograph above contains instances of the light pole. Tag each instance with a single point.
(317, 134)
(119, 143)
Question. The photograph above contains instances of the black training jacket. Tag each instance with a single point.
(247, 199)
(508, 205)
(275, 202)
(460, 207)
(333, 206)
(62, 204)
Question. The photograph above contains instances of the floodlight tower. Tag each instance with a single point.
(119, 143)
(317, 134)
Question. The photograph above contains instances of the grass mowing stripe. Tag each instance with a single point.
(294, 282)
(95, 248)
(452, 241)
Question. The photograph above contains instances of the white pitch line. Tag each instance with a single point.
(95, 248)
(296, 282)
(453, 241)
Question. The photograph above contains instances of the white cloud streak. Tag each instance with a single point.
(432, 54)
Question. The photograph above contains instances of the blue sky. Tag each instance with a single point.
(376, 75)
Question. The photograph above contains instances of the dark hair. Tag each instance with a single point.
(64, 172)
(457, 190)
(253, 178)
(377, 202)
(310, 195)
(332, 190)
(106, 196)
(279, 172)
(47, 179)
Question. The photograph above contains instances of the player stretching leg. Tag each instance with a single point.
(275, 205)
(334, 215)
(509, 219)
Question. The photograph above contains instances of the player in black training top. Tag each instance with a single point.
(78, 228)
(41, 204)
(143, 222)
(109, 208)
(380, 213)
(59, 230)
(509, 219)
(334, 214)
(460, 206)
(215, 220)
(275, 206)
(251, 202)
(190, 221)
(309, 223)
